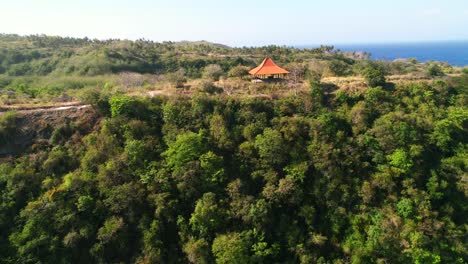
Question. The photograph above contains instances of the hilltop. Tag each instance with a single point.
(41, 69)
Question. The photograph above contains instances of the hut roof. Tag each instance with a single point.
(267, 67)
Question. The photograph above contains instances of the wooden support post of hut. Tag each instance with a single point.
(268, 71)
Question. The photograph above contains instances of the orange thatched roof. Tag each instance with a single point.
(267, 67)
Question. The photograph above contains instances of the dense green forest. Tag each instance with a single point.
(375, 175)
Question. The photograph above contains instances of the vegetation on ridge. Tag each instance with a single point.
(324, 175)
(37, 69)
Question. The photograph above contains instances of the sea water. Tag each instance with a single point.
(454, 53)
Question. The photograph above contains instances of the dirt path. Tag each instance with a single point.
(61, 108)
(44, 108)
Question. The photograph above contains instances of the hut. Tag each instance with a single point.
(268, 70)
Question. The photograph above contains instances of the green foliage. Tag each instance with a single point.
(136, 151)
(434, 70)
(374, 76)
(127, 107)
(7, 125)
(401, 160)
(212, 71)
(297, 172)
(207, 216)
(207, 86)
(121, 105)
(317, 94)
(405, 207)
(97, 98)
(270, 146)
(198, 251)
(239, 71)
(177, 78)
(213, 167)
(338, 67)
(450, 131)
(110, 229)
(377, 176)
(84, 203)
(188, 146)
(231, 248)
(57, 162)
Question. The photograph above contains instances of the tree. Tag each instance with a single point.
(207, 86)
(97, 97)
(434, 70)
(8, 126)
(374, 76)
(121, 105)
(270, 146)
(213, 72)
(451, 131)
(231, 248)
(212, 166)
(198, 251)
(177, 78)
(338, 67)
(317, 94)
(186, 147)
(207, 217)
(239, 71)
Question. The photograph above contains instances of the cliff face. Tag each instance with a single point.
(35, 128)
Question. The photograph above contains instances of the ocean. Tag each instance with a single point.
(454, 53)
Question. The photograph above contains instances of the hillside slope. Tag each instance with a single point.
(376, 177)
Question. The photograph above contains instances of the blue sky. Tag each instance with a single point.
(242, 22)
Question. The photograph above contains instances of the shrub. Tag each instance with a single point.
(316, 93)
(434, 70)
(374, 76)
(123, 105)
(19, 69)
(7, 125)
(212, 71)
(338, 68)
(96, 98)
(231, 248)
(186, 147)
(207, 86)
(177, 78)
(239, 71)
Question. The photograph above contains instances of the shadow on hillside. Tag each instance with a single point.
(329, 87)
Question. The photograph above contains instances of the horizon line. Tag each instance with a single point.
(297, 45)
